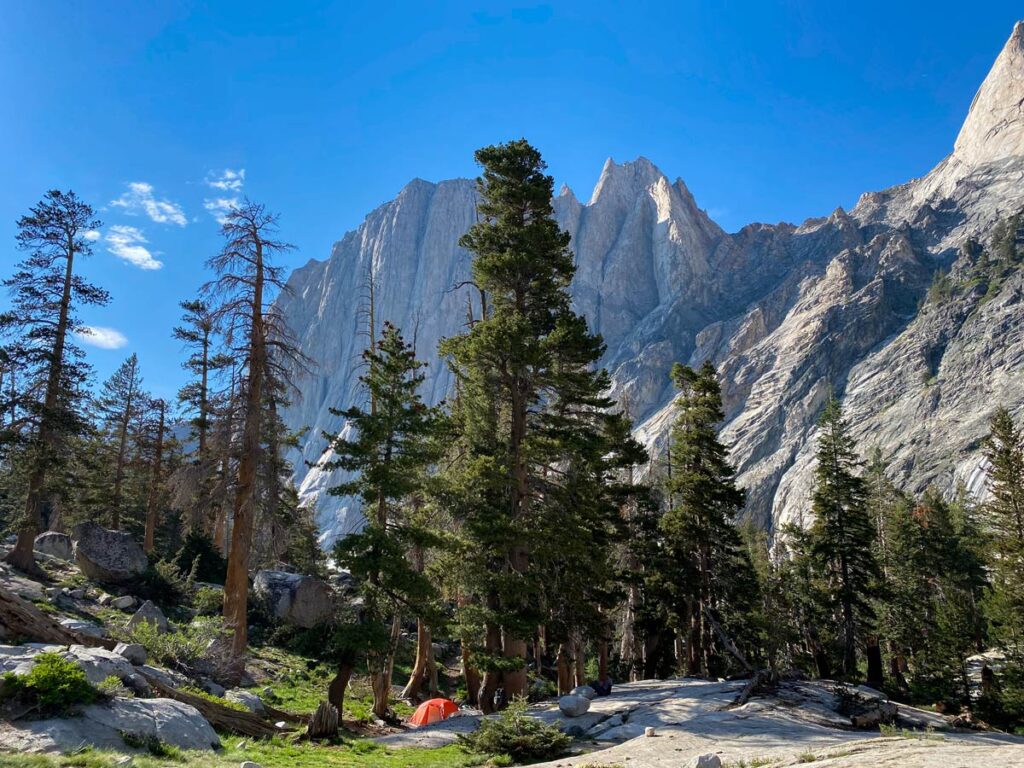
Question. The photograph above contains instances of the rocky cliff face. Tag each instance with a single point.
(786, 313)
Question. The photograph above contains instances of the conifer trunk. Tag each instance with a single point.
(421, 667)
(564, 669)
(338, 686)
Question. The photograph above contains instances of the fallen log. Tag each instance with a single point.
(275, 715)
(23, 619)
(242, 722)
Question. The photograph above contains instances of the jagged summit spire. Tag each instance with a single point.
(994, 128)
(633, 175)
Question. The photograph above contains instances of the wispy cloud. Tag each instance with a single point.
(228, 181)
(99, 336)
(92, 235)
(220, 207)
(140, 199)
(127, 243)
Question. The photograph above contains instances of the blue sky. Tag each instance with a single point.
(769, 111)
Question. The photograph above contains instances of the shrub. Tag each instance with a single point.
(152, 744)
(55, 684)
(186, 646)
(112, 686)
(211, 566)
(208, 601)
(516, 734)
(163, 583)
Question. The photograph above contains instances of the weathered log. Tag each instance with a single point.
(23, 619)
(753, 684)
(324, 723)
(730, 646)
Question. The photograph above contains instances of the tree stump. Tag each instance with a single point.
(324, 722)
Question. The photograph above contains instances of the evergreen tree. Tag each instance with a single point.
(46, 291)
(389, 456)
(197, 333)
(524, 363)
(1004, 515)
(842, 532)
(713, 585)
(118, 406)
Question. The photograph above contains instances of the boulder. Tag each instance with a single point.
(135, 653)
(584, 690)
(212, 688)
(107, 556)
(874, 714)
(97, 663)
(80, 625)
(573, 705)
(304, 601)
(250, 701)
(102, 725)
(149, 612)
(709, 760)
(163, 676)
(123, 603)
(54, 544)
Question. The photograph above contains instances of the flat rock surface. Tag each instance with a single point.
(692, 717)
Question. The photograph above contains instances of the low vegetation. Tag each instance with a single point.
(275, 753)
(513, 733)
(54, 686)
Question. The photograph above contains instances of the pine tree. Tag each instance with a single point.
(527, 359)
(118, 406)
(255, 335)
(842, 532)
(1004, 515)
(714, 574)
(389, 457)
(197, 333)
(46, 291)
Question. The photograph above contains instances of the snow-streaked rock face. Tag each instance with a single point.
(787, 313)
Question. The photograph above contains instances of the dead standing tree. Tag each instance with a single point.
(256, 337)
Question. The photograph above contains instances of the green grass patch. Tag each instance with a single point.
(274, 753)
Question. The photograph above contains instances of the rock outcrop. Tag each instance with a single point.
(120, 724)
(304, 601)
(110, 557)
(54, 544)
(787, 313)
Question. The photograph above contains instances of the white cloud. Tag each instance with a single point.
(92, 235)
(226, 180)
(220, 207)
(98, 336)
(139, 197)
(127, 243)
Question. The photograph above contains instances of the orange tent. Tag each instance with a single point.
(433, 711)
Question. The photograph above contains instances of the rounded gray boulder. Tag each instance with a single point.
(107, 556)
(304, 601)
(54, 544)
(574, 705)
